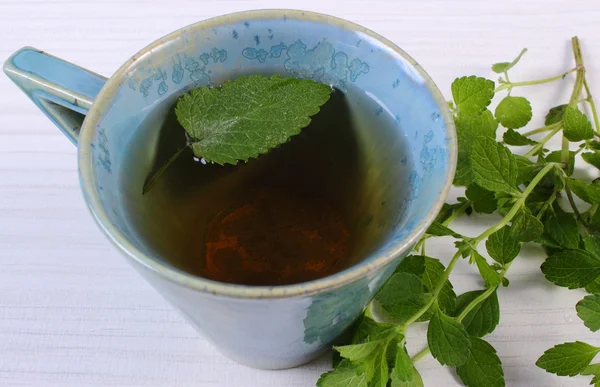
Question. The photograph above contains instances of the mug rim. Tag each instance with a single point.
(357, 271)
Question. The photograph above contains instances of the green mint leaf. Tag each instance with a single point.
(503, 67)
(489, 275)
(402, 296)
(514, 138)
(567, 359)
(592, 369)
(225, 126)
(379, 370)
(513, 112)
(555, 115)
(588, 310)
(403, 366)
(525, 168)
(526, 227)
(434, 270)
(577, 126)
(556, 157)
(572, 269)
(464, 247)
(345, 374)
(483, 200)
(416, 381)
(483, 367)
(447, 339)
(594, 145)
(336, 359)
(591, 242)
(484, 317)
(413, 264)
(591, 158)
(359, 352)
(562, 228)
(493, 165)
(589, 193)
(593, 287)
(595, 381)
(472, 94)
(446, 211)
(370, 330)
(468, 128)
(502, 246)
(438, 229)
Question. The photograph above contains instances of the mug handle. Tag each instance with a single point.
(63, 91)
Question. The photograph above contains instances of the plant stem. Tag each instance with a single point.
(511, 214)
(419, 355)
(580, 72)
(590, 100)
(459, 211)
(540, 145)
(152, 180)
(436, 291)
(539, 130)
(546, 205)
(518, 204)
(510, 85)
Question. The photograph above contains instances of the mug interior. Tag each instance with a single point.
(400, 154)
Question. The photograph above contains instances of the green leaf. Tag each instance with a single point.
(489, 275)
(472, 94)
(483, 200)
(594, 144)
(403, 366)
(448, 340)
(592, 369)
(468, 128)
(591, 242)
(526, 227)
(402, 296)
(503, 67)
(562, 228)
(413, 264)
(371, 330)
(484, 317)
(359, 352)
(567, 359)
(377, 370)
(514, 138)
(513, 112)
(345, 375)
(593, 287)
(555, 114)
(434, 270)
(591, 158)
(588, 309)
(483, 367)
(577, 126)
(493, 165)
(502, 246)
(415, 382)
(438, 229)
(572, 269)
(226, 126)
(525, 168)
(556, 157)
(589, 193)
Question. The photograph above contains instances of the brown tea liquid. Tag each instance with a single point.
(308, 209)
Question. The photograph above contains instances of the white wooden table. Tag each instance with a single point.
(72, 310)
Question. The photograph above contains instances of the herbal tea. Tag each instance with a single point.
(310, 208)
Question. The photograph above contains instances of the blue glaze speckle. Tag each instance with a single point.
(257, 39)
(234, 34)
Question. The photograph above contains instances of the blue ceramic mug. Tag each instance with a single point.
(259, 326)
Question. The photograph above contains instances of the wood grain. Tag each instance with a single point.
(74, 313)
